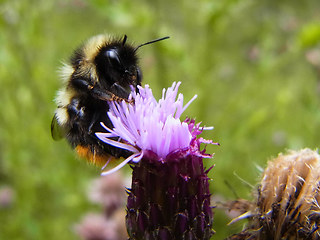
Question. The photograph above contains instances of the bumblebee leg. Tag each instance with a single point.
(94, 119)
(119, 91)
(102, 95)
(81, 84)
(75, 110)
(95, 92)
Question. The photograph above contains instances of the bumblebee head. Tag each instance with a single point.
(117, 62)
(106, 62)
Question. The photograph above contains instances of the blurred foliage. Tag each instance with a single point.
(254, 64)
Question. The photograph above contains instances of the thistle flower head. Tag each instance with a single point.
(288, 204)
(289, 195)
(150, 125)
(166, 154)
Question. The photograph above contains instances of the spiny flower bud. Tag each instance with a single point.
(287, 206)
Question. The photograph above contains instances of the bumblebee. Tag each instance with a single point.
(102, 69)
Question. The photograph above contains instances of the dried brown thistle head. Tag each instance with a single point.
(287, 205)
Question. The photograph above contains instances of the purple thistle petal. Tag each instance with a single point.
(121, 164)
(116, 143)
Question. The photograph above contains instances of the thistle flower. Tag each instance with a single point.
(169, 196)
(287, 206)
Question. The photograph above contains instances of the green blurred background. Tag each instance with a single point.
(254, 64)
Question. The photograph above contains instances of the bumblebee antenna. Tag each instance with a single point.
(153, 41)
(124, 40)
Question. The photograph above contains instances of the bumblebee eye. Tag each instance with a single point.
(113, 57)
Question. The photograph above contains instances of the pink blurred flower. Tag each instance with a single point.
(7, 196)
(109, 192)
(98, 227)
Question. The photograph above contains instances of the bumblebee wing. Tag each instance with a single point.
(57, 131)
